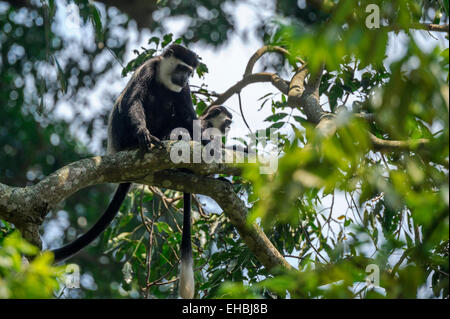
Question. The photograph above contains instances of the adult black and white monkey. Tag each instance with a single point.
(156, 100)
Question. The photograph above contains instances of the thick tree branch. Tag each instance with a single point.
(297, 86)
(312, 87)
(306, 97)
(278, 82)
(233, 207)
(423, 26)
(327, 127)
(26, 207)
(250, 78)
(260, 52)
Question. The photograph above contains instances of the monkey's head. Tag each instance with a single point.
(218, 117)
(176, 66)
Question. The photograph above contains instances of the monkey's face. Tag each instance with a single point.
(221, 122)
(217, 117)
(181, 74)
(174, 73)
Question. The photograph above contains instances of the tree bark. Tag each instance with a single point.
(26, 207)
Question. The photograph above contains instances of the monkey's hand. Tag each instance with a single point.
(146, 139)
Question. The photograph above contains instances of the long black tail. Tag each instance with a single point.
(186, 286)
(84, 240)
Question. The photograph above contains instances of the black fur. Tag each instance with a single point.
(212, 113)
(145, 112)
(147, 107)
(84, 240)
(182, 53)
(186, 245)
(215, 111)
(207, 122)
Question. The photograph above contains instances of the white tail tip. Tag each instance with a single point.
(187, 286)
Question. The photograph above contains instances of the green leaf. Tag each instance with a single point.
(277, 125)
(163, 227)
(275, 117)
(155, 40)
(264, 96)
(167, 39)
(445, 6)
(97, 22)
(336, 93)
(61, 76)
(202, 69)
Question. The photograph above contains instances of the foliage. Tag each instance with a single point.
(40, 67)
(334, 207)
(149, 53)
(20, 279)
(209, 21)
(398, 201)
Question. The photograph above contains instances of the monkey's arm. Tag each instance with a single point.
(138, 123)
(188, 112)
(136, 111)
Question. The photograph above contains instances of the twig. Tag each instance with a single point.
(150, 241)
(389, 145)
(242, 113)
(200, 207)
(400, 261)
(262, 77)
(424, 26)
(311, 245)
(260, 52)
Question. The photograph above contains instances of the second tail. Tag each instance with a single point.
(187, 285)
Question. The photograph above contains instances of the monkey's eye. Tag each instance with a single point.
(227, 123)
